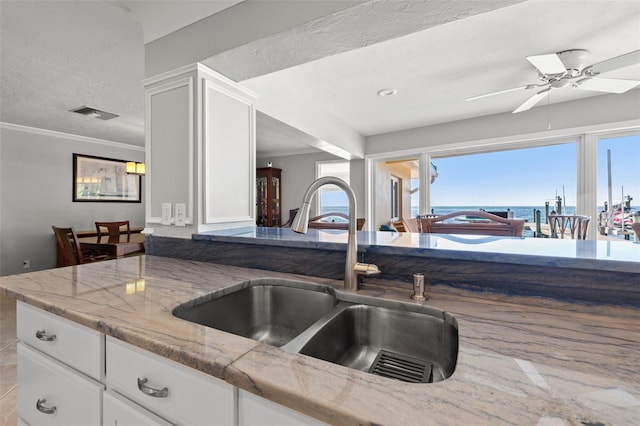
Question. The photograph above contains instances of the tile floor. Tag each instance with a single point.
(8, 362)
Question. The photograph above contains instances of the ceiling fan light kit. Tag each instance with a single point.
(569, 68)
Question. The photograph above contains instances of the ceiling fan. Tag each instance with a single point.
(569, 69)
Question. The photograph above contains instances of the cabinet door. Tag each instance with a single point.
(50, 393)
(119, 411)
(256, 411)
(78, 346)
(176, 392)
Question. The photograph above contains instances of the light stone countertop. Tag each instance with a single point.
(525, 361)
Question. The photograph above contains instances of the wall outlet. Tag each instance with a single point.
(180, 214)
(166, 214)
(26, 264)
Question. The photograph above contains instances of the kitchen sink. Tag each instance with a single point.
(271, 311)
(409, 346)
(397, 340)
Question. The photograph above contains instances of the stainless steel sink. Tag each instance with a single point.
(271, 311)
(403, 341)
(409, 346)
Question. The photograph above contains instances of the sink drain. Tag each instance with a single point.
(401, 367)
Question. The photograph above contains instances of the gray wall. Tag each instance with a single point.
(36, 193)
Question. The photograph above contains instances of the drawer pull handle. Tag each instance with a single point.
(157, 393)
(47, 410)
(42, 335)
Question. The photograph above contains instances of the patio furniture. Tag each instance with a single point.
(473, 223)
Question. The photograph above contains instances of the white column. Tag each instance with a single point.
(424, 165)
(587, 190)
(200, 151)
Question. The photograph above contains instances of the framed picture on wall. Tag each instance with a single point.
(98, 179)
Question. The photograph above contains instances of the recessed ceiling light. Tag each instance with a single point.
(387, 92)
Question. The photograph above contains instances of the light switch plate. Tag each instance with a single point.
(166, 214)
(180, 214)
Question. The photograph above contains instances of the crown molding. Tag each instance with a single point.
(56, 134)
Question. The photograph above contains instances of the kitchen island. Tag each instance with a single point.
(521, 360)
(583, 271)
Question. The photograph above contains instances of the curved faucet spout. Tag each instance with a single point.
(301, 223)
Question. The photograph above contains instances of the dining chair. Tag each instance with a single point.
(317, 222)
(577, 225)
(69, 250)
(471, 223)
(113, 230)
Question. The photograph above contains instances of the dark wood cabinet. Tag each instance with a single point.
(268, 192)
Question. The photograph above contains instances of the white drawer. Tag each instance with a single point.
(256, 411)
(192, 398)
(119, 411)
(76, 345)
(47, 385)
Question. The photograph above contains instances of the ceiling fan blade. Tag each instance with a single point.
(622, 61)
(496, 93)
(609, 85)
(529, 103)
(548, 64)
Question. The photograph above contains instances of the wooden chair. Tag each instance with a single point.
(576, 224)
(406, 225)
(69, 251)
(317, 223)
(113, 230)
(474, 223)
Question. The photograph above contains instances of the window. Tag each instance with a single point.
(517, 180)
(624, 188)
(330, 197)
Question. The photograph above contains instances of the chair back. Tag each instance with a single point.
(68, 246)
(577, 225)
(318, 223)
(474, 223)
(113, 230)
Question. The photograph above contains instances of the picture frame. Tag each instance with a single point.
(100, 179)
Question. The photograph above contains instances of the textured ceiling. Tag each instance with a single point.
(159, 18)
(60, 55)
(436, 69)
(57, 55)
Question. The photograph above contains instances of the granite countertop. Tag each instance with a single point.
(526, 361)
(620, 256)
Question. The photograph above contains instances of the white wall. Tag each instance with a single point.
(36, 193)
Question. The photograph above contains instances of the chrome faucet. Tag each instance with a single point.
(300, 224)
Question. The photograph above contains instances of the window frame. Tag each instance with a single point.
(585, 137)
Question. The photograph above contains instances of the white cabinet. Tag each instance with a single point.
(50, 393)
(256, 411)
(171, 390)
(60, 365)
(70, 343)
(119, 411)
(61, 376)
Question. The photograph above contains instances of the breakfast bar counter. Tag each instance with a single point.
(521, 360)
